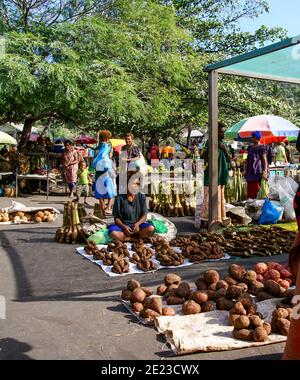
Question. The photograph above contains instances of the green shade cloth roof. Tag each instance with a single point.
(280, 61)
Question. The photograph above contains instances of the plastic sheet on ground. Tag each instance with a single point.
(132, 267)
(16, 206)
(210, 331)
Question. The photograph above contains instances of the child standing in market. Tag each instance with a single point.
(83, 181)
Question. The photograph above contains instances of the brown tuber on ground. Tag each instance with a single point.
(183, 290)
(244, 334)
(232, 318)
(161, 290)
(262, 296)
(252, 310)
(147, 291)
(233, 292)
(210, 294)
(260, 334)
(249, 277)
(191, 307)
(201, 284)
(283, 326)
(171, 291)
(199, 297)
(239, 309)
(255, 321)
(138, 295)
(255, 287)
(171, 279)
(221, 293)
(280, 313)
(236, 272)
(137, 307)
(168, 312)
(155, 304)
(246, 300)
(133, 284)
(126, 294)
(243, 286)
(173, 300)
(221, 285)
(230, 280)
(148, 314)
(211, 276)
(242, 322)
(208, 306)
(224, 304)
(267, 327)
(212, 287)
(271, 287)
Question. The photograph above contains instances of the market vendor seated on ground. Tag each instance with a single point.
(130, 214)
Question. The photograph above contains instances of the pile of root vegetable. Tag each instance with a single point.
(238, 293)
(257, 241)
(149, 259)
(71, 231)
(24, 217)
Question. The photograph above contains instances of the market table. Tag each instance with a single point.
(46, 177)
(6, 173)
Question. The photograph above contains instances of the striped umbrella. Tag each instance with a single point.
(270, 126)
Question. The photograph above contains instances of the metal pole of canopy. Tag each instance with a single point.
(213, 145)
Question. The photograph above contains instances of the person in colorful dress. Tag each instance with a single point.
(105, 187)
(70, 166)
(256, 167)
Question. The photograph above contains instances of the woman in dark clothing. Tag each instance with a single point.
(130, 214)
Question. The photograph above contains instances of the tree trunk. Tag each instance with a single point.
(26, 133)
(189, 136)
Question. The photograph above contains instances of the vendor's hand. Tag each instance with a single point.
(222, 146)
(127, 230)
(136, 229)
(265, 175)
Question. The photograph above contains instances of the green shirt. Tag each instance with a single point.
(83, 177)
(223, 165)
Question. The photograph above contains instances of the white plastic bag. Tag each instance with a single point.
(287, 202)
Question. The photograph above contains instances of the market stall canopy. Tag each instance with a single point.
(269, 125)
(276, 62)
(194, 133)
(7, 139)
(280, 61)
(84, 139)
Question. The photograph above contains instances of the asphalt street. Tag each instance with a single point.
(61, 306)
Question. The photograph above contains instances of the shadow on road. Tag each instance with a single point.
(12, 349)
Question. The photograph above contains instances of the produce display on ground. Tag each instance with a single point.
(255, 241)
(71, 231)
(21, 214)
(210, 292)
(120, 259)
(239, 294)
